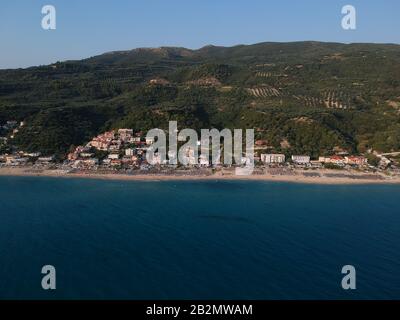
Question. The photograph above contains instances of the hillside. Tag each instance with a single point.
(302, 97)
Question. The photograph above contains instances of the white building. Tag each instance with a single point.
(135, 140)
(301, 159)
(106, 161)
(203, 161)
(114, 147)
(149, 140)
(172, 157)
(129, 152)
(156, 159)
(86, 155)
(32, 154)
(91, 162)
(45, 159)
(272, 158)
(190, 157)
(113, 156)
(125, 134)
(324, 159)
(384, 162)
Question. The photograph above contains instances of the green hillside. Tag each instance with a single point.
(302, 97)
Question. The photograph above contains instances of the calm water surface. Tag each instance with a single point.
(200, 240)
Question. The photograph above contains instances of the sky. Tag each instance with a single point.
(86, 28)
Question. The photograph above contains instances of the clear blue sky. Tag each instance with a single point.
(89, 27)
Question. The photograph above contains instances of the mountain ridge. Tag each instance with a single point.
(349, 91)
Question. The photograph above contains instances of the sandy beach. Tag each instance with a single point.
(324, 176)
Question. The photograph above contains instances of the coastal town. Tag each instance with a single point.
(123, 151)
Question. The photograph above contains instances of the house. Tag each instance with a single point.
(353, 160)
(272, 158)
(86, 155)
(333, 159)
(10, 125)
(246, 161)
(106, 161)
(113, 156)
(159, 81)
(384, 162)
(76, 164)
(90, 162)
(172, 156)
(324, 159)
(108, 135)
(129, 152)
(204, 161)
(116, 162)
(316, 164)
(33, 154)
(260, 143)
(301, 159)
(156, 159)
(338, 160)
(125, 134)
(150, 140)
(127, 160)
(144, 167)
(72, 156)
(15, 160)
(192, 160)
(45, 160)
(103, 146)
(114, 147)
(10, 159)
(190, 157)
(135, 140)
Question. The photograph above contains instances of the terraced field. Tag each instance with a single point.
(309, 101)
(264, 92)
(328, 99)
(336, 100)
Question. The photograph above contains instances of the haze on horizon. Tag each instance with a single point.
(92, 28)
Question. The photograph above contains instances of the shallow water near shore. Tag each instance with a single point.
(197, 239)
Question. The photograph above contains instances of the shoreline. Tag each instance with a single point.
(352, 178)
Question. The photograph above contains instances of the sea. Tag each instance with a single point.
(197, 239)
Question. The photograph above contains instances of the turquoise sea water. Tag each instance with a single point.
(197, 240)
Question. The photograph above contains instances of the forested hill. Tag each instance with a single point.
(302, 97)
